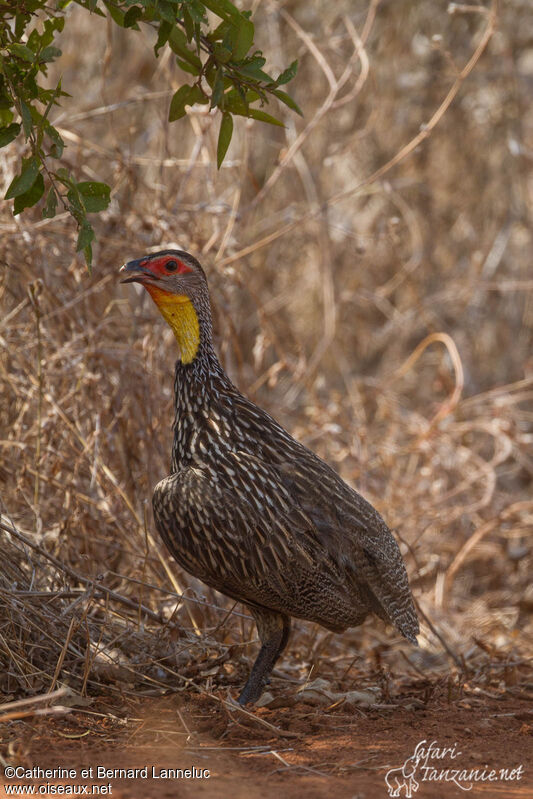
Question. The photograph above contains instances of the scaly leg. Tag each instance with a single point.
(273, 629)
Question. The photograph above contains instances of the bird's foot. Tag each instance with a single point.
(251, 691)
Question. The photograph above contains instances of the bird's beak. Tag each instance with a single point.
(135, 272)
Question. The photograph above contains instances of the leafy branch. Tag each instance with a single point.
(228, 75)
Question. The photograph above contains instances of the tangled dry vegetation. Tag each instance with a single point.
(388, 323)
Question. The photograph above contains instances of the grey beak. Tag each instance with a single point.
(134, 272)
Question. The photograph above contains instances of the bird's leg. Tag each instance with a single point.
(273, 629)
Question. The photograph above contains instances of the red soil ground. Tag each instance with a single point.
(307, 751)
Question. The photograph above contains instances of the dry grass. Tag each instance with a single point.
(387, 322)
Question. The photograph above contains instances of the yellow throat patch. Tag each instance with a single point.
(178, 311)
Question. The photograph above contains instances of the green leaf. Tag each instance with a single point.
(189, 24)
(223, 9)
(178, 43)
(199, 97)
(224, 137)
(242, 38)
(49, 210)
(58, 145)
(76, 207)
(23, 182)
(92, 5)
(288, 75)
(63, 175)
(253, 70)
(150, 14)
(192, 70)
(116, 14)
(21, 20)
(186, 95)
(165, 29)
(255, 113)
(197, 11)
(95, 196)
(256, 60)
(9, 133)
(6, 117)
(166, 11)
(34, 41)
(235, 103)
(218, 88)
(6, 100)
(51, 26)
(88, 253)
(49, 54)
(21, 51)
(131, 16)
(85, 236)
(219, 32)
(180, 99)
(221, 53)
(30, 197)
(252, 97)
(287, 99)
(27, 121)
(31, 89)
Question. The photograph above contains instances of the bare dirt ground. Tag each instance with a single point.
(305, 750)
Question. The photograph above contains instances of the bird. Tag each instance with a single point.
(248, 509)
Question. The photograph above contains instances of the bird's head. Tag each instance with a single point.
(177, 284)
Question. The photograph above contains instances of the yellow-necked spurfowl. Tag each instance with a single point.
(249, 510)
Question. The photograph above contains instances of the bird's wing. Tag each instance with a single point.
(236, 541)
(356, 535)
(266, 527)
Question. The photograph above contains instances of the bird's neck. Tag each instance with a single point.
(192, 326)
(197, 380)
(180, 314)
(197, 384)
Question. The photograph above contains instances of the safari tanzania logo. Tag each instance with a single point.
(431, 763)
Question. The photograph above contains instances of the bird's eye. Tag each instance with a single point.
(171, 266)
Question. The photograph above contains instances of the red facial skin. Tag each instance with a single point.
(159, 267)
